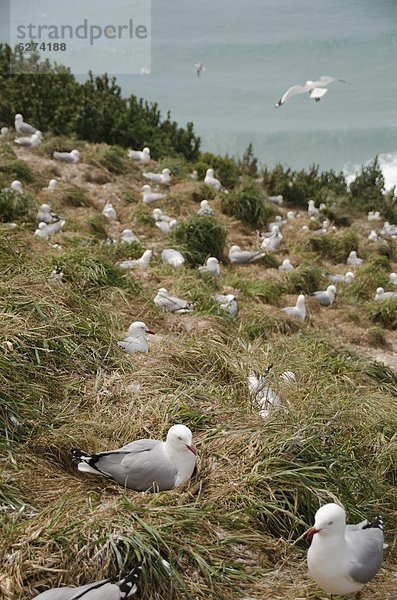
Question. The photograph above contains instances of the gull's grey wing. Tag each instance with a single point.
(138, 466)
(322, 298)
(68, 593)
(65, 156)
(108, 591)
(293, 91)
(325, 80)
(244, 256)
(26, 128)
(365, 549)
(23, 141)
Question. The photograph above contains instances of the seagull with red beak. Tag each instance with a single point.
(145, 465)
(343, 558)
(136, 340)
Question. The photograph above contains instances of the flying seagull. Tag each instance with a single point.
(317, 89)
(200, 68)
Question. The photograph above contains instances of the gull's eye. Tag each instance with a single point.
(330, 523)
(179, 437)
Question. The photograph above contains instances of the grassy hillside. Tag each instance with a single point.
(236, 530)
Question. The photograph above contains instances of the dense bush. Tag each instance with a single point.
(336, 248)
(385, 313)
(94, 111)
(14, 207)
(305, 278)
(247, 202)
(200, 237)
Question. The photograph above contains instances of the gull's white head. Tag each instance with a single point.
(157, 212)
(166, 172)
(19, 118)
(179, 437)
(146, 188)
(75, 154)
(330, 519)
(16, 185)
(234, 249)
(139, 329)
(349, 277)
(162, 292)
(42, 225)
(380, 291)
(212, 261)
(287, 262)
(300, 301)
(210, 173)
(146, 150)
(353, 254)
(204, 204)
(52, 184)
(331, 290)
(45, 207)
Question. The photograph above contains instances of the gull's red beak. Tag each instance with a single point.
(311, 532)
(192, 449)
(150, 331)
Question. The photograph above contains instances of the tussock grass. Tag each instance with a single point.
(200, 237)
(305, 278)
(73, 196)
(12, 168)
(336, 248)
(384, 313)
(16, 207)
(112, 158)
(247, 202)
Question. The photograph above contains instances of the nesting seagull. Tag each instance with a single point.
(272, 243)
(44, 215)
(29, 142)
(142, 262)
(382, 295)
(353, 259)
(164, 178)
(136, 340)
(52, 186)
(128, 236)
(238, 256)
(3, 132)
(145, 464)
(22, 127)
(142, 157)
(194, 175)
(46, 230)
(276, 199)
(317, 89)
(212, 181)
(72, 157)
(148, 196)
(205, 208)
(393, 278)
(172, 304)
(100, 590)
(262, 395)
(172, 257)
(327, 297)
(312, 211)
(109, 212)
(211, 266)
(166, 227)
(159, 215)
(343, 558)
(227, 303)
(347, 278)
(299, 310)
(286, 265)
(16, 187)
(200, 68)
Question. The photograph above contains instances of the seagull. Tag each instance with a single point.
(142, 157)
(272, 243)
(194, 175)
(299, 310)
(286, 265)
(228, 303)
(262, 395)
(327, 297)
(22, 127)
(393, 278)
(374, 216)
(44, 215)
(148, 196)
(382, 295)
(347, 278)
(128, 236)
(52, 186)
(56, 275)
(312, 211)
(145, 464)
(109, 212)
(159, 215)
(172, 257)
(164, 178)
(142, 262)
(136, 340)
(276, 199)
(353, 259)
(238, 256)
(44, 230)
(343, 558)
(210, 180)
(29, 142)
(211, 266)
(200, 68)
(103, 590)
(373, 236)
(166, 227)
(205, 208)
(3, 132)
(172, 304)
(16, 187)
(144, 71)
(72, 157)
(317, 89)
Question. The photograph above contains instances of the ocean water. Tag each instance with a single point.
(253, 51)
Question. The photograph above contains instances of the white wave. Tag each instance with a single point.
(388, 164)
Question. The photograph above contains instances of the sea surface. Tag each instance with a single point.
(254, 50)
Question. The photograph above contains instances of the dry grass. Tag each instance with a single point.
(235, 530)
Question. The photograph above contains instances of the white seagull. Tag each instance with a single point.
(136, 340)
(317, 89)
(164, 178)
(286, 265)
(172, 304)
(29, 142)
(205, 208)
(128, 237)
(211, 266)
(299, 310)
(142, 262)
(343, 558)
(212, 181)
(327, 297)
(109, 212)
(238, 256)
(382, 295)
(105, 589)
(148, 196)
(227, 303)
(353, 259)
(145, 464)
(72, 157)
(142, 157)
(200, 68)
(172, 257)
(261, 394)
(22, 127)
(3, 132)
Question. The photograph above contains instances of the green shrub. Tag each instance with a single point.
(12, 168)
(373, 274)
(225, 168)
(73, 196)
(112, 158)
(16, 207)
(248, 204)
(200, 237)
(60, 143)
(268, 292)
(202, 192)
(304, 278)
(384, 312)
(335, 248)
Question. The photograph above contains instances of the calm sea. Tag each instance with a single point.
(253, 51)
